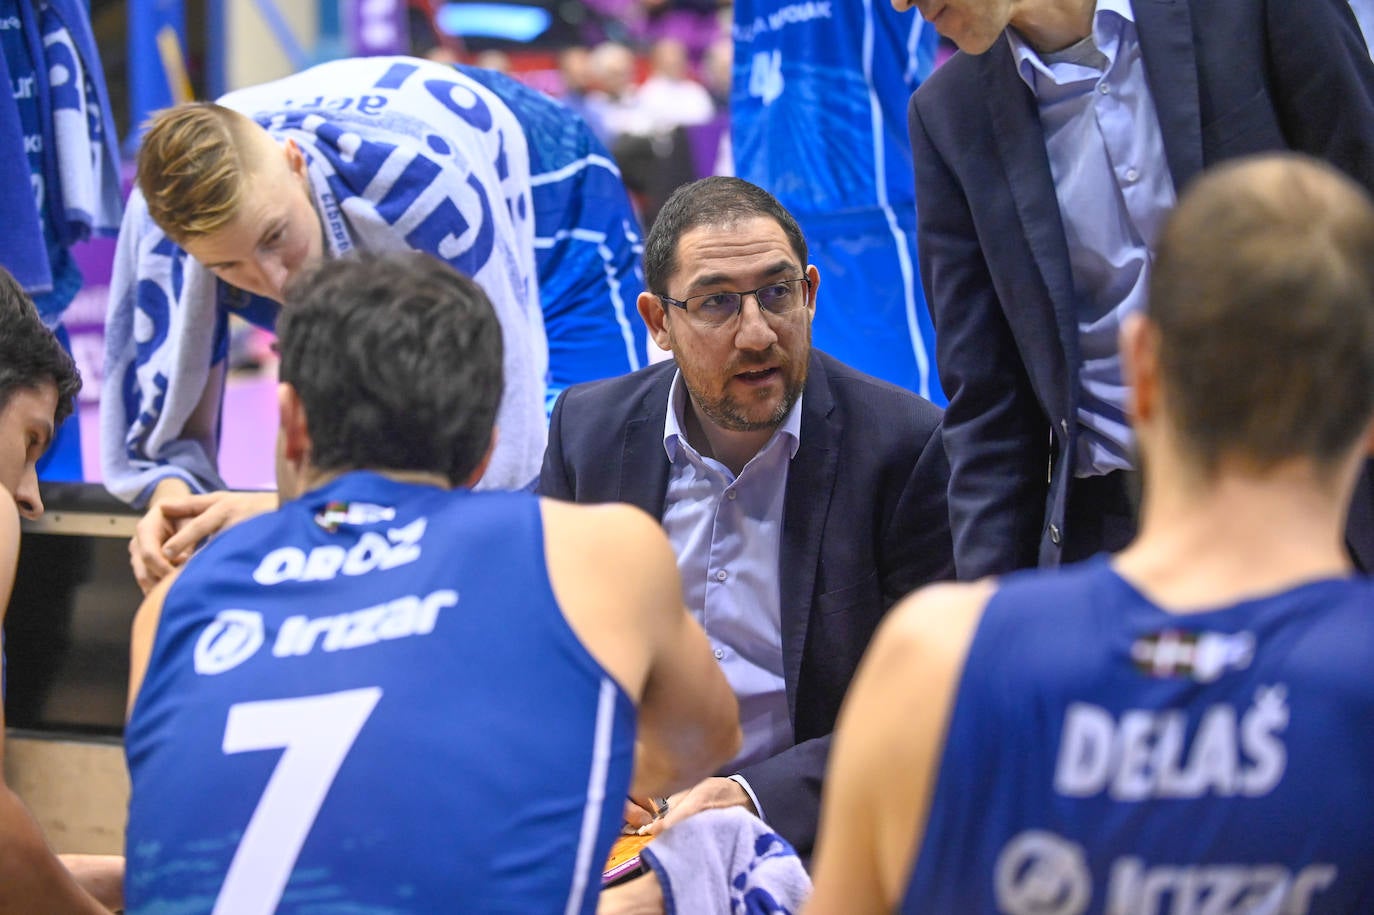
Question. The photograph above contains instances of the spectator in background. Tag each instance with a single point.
(575, 68)
(715, 71)
(670, 95)
(615, 96)
(693, 23)
(56, 120)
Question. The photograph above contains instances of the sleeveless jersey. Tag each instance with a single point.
(818, 118)
(370, 701)
(1104, 755)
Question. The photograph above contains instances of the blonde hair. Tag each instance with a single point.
(192, 166)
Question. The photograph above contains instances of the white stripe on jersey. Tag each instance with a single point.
(596, 794)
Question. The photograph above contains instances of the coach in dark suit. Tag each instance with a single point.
(803, 497)
(1045, 156)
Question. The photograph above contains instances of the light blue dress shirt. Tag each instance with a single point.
(727, 532)
(1106, 155)
(1364, 12)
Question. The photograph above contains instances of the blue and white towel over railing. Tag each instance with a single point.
(401, 153)
(53, 66)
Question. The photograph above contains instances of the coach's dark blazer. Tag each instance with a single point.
(864, 522)
(1228, 78)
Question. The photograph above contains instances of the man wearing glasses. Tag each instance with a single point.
(802, 497)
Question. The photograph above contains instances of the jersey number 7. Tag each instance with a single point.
(315, 733)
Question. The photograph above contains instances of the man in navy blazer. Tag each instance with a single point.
(803, 497)
(1046, 154)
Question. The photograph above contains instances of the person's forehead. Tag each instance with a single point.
(739, 245)
(260, 204)
(31, 405)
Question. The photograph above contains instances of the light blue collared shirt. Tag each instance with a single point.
(1364, 12)
(727, 532)
(1110, 174)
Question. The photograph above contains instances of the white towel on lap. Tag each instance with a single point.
(727, 862)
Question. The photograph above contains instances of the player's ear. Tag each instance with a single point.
(1139, 347)
(295, 159)
(294, 432)
(481, 467)
(655, 315)
(814, 276)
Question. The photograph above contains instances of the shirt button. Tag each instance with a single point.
(722, 575)
(731, 495)
(720, 654)
(1132, 175)
(1104, 88)
(1054, 534)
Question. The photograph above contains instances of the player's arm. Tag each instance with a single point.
(615, 578)
(142, 636)
(688, 716)
(32, 879)
(887, 748)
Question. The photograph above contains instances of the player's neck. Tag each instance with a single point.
(1204, 544)
(314, 479)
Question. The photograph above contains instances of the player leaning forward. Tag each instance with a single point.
(372, 154)
(396, 694)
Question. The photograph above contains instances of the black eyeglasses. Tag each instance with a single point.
(716, 308)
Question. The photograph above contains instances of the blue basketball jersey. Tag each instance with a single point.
(370, 702)
(818, 118)
(587, 241)
(1104, 755)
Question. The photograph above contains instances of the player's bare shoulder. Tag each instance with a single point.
(930, 629)
(608, 536)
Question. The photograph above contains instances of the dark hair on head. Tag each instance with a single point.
(716, 201)
(30, 355)
(397, 361)
(1263, 294)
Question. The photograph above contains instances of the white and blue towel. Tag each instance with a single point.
(59, 72)
(727, 862)
(402, 154)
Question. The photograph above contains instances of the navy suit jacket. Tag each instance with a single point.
(1228, 78)
(865, 521)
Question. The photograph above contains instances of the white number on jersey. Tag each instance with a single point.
(765, 76)
(315, 733)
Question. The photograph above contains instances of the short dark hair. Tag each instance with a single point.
(30, 355)
(1263, 294)
(715, 201)
(397, 362)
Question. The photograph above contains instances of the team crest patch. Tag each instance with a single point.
(1200, 656)
(336, 513)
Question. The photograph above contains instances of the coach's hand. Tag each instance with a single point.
(707, 794)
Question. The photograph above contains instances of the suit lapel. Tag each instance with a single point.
(1026, 163)
(1166, 42)
(806, 503)
(644, 463)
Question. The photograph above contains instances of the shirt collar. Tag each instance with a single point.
(674, 437)
(1104, 36)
